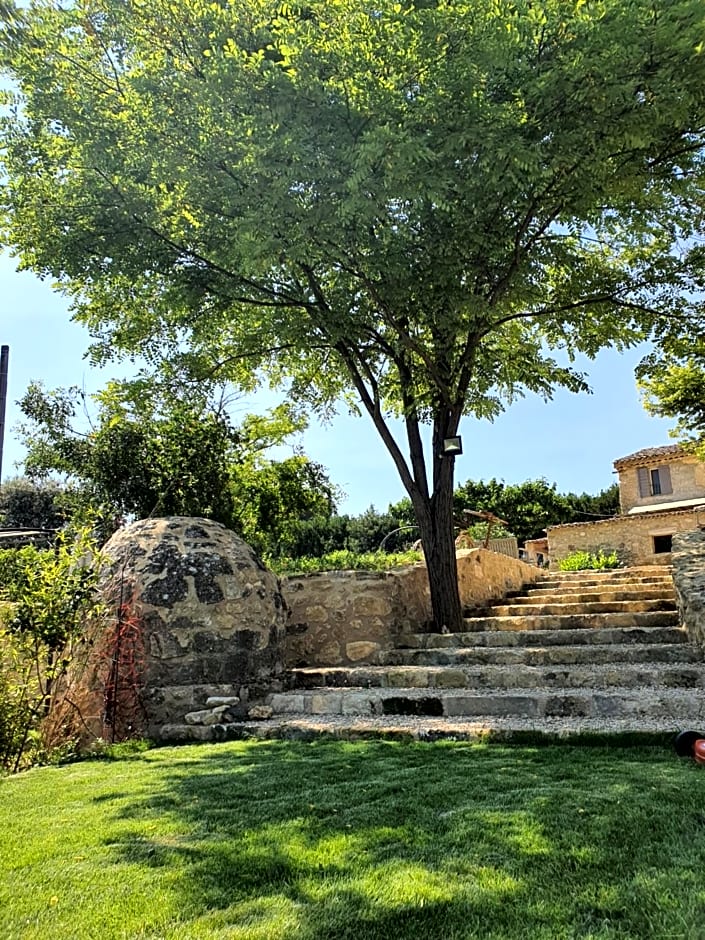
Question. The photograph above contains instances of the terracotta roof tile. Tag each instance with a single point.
(650, 453)
(625, 517)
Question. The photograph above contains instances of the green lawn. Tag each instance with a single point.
(356, 840)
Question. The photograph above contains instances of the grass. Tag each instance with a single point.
(332, 840)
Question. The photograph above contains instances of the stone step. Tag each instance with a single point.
(531, 638)
(684, 706)
(481, 728)
(592, 584)
(638, 572)
(589, 597)
(578, 621)
(546, 655)
(596, 607)
(516, 676)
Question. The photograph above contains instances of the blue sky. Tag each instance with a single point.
(572, 440)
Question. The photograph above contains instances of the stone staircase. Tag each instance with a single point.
(588, 653)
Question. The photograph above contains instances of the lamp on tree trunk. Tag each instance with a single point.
(452, 447)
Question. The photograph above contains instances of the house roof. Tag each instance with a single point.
(663, 509)
(11, 534)
(668, 451)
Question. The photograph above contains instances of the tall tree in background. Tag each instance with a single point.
(147, 453)
(31, 504)
(424, 209)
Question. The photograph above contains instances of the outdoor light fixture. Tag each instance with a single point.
(452, 447)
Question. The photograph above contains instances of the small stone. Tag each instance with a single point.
(260, 712)
(198, 718)
(212, 718)
(361, 649)
(219, 701)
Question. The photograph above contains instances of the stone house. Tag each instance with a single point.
(661, 492)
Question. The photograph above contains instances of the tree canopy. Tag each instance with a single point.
(30, 504)
(425, 208)
(673, 382)
(145, 453)
(528, 508)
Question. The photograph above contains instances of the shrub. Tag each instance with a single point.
(46, 599)
(344, 560)
(580, 561)
(18, 696)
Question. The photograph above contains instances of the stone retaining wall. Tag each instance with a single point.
(689, 581)
(348, 617)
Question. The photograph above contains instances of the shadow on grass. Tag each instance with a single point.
(366, 840)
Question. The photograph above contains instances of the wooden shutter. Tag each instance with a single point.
(664, 475)
(644, 481)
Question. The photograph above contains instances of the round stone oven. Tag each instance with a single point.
(210, 615)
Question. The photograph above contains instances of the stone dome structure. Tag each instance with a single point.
(211, 618)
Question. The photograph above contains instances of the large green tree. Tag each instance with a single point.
(149, 452)
(426, 207)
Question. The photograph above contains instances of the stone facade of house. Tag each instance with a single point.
(536, 552)
(659, 476)
(661, 493)
(643, 539)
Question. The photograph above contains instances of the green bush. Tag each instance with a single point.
(52, 590)
(46, 599)
(18, 697)
(580, 561)
(344, 560)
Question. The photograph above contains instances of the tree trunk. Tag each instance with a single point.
(434, 512)
(434, 516)
(438, 539)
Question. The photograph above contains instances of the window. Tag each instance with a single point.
(662, 543)
(654, 481)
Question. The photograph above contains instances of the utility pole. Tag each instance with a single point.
(4, 362)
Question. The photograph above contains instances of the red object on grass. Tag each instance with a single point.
(699, 751)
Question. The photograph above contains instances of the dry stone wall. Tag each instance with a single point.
(347, 617)
(208, 631)
(689, 581)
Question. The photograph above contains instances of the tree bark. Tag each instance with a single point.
(434, 517)
(435, 520)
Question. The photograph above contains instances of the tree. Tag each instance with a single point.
(31, 505)
(603, 505)
(426, 207)
(148, 451)
(526, 507)
(137, 458)
(672, 380)
(273, 498)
